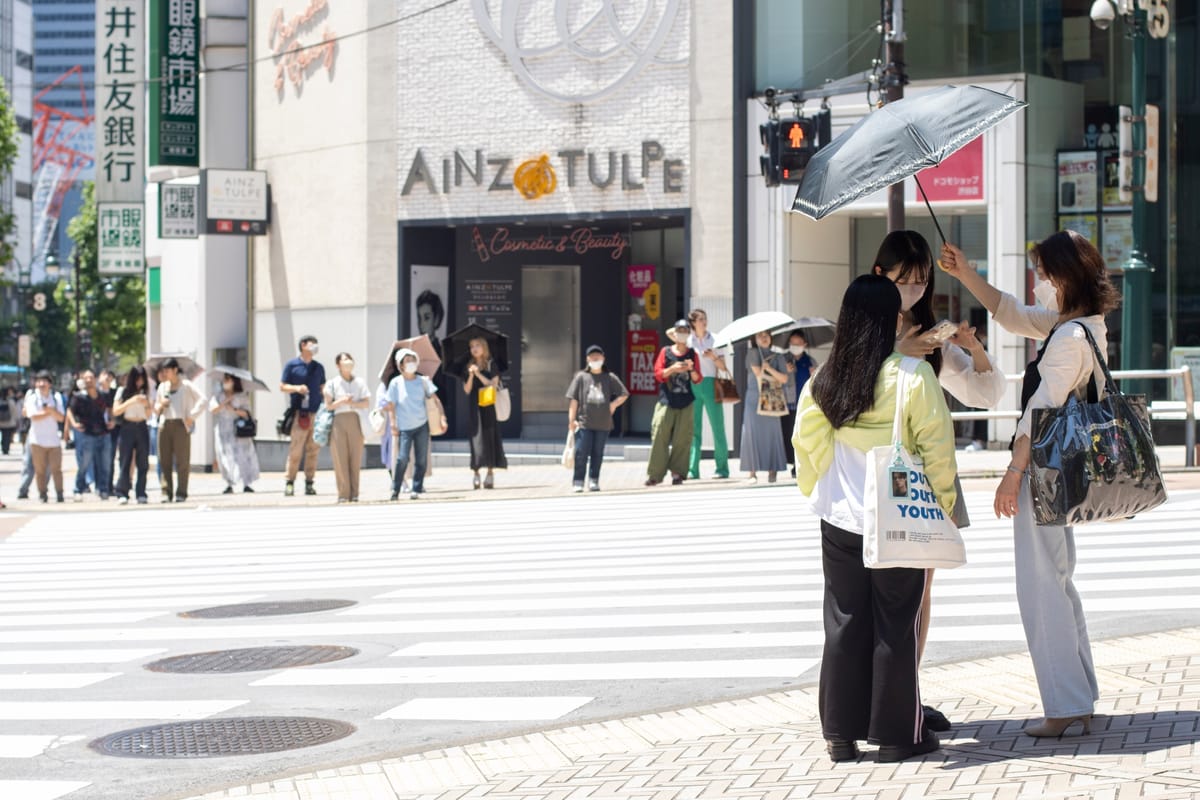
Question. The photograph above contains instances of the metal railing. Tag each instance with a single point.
(1189, 404)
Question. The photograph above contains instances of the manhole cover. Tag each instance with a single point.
(248, 659)
(210, 738)
(266, 609)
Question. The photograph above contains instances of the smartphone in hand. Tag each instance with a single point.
(941, 332)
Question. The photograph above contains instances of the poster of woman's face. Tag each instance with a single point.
(430, 289)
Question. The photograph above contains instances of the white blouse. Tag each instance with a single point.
(971, 388)
(1068, 363)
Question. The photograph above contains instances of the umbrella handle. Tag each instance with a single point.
(936, 224)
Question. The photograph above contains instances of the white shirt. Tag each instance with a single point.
(356, 389)
(838, 495)
(43, 431)
(708, 367)
(135, 412)
(1068, 363)
(971, 388)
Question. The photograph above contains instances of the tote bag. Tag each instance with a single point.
(1094, 461)
(503, 403)
(903, 525)
(725, 389)
(772, 400)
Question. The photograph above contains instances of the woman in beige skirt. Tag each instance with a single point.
(347, 397)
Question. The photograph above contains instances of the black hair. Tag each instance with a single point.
(305, 340)
(342, 357)
(909, 251)
(135, 372)
(168, 363)
(43, 375)
(865, 336)
(392, 369)
(431, 299)
(1078, 268)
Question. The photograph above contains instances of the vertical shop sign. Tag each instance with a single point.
(178, 211)
(120, 101)
(639, 277)
(121, 233)
(642, 349)
(174, 85)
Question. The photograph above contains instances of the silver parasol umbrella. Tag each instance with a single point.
(746, 327)
(249, 381)
(188, 367)
(896, 142)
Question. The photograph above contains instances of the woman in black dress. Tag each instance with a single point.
(487, 450)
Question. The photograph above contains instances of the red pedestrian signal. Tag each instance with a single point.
(797, 143)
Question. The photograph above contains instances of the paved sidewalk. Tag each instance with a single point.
(1145, 742)
(521, 481)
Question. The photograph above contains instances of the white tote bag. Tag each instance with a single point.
(568, 453)
(903, 525)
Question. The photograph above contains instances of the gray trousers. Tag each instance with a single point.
(1053, 614)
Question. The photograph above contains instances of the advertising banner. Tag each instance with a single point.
(122, 229)
(235, 202)
(178, 211)
(641, 348)
(174, 85)
(120, 101)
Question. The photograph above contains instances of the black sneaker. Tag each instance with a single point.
(181, 498)
(22, 495)
(309, 488)
(228, 489)
(935, 720)
(889, 753)
(60, 499)
(45, 498)
(248, 490)
(289, 489)
(395, 496)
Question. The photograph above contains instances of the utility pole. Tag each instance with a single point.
(891, 90)
(1135, 310)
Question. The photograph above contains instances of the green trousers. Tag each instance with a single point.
(706, 401)
(670, 440)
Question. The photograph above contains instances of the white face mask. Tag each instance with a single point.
(410, 367)
(796, 349)
(595, 365)
(1046, 294)
(314, 348)
(910, 294)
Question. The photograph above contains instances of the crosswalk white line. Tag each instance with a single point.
(486, 709)
(76, 656)
(119, 604)
(39, 790)
(31, 746)
(558, 603)
(534, 673)
(113, 709)
(26, 681)
(612, 644)
(104, 618)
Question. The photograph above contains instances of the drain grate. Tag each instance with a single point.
(249, 659)
(233, 736)
(274, 609)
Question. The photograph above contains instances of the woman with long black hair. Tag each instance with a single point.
(961, 364)
(868, 686)
(132, 403)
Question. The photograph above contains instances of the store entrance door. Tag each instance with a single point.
(550, 352)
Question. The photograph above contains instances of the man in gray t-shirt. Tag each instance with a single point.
(594, 394)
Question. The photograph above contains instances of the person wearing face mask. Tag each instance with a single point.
(800, 367)
(869, 684)
(761, 446)
(595, 394)
(235, 454)
(711, 362)
(302, 379)
(133, 404)
(1074, 293)
(347, 396)
(409, 417)
(962, 364)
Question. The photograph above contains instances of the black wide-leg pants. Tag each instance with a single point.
(869, 685)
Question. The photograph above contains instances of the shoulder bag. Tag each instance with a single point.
(725, 388)
(568, 453)
(245, 428)
(503, 402)
(1094, 461)
(284, 426)
(323, 423)
(772, 400)
(903, 524)
(435, 413)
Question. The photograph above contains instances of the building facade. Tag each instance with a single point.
(16, 67)
(530, 173)
(64, 53)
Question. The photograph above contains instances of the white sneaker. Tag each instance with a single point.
(578, 488)
(594, 486)
(124, 501)
(78, 497)
(414, 496)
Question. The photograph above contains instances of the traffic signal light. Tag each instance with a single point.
(788, 144)
(768, 134)
(797, 140)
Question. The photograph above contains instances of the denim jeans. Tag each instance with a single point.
(589, 445)
(94, 452)
(417, 442)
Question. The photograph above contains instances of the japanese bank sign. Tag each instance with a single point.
(174, 83)
(120, 236)
(120, 100)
